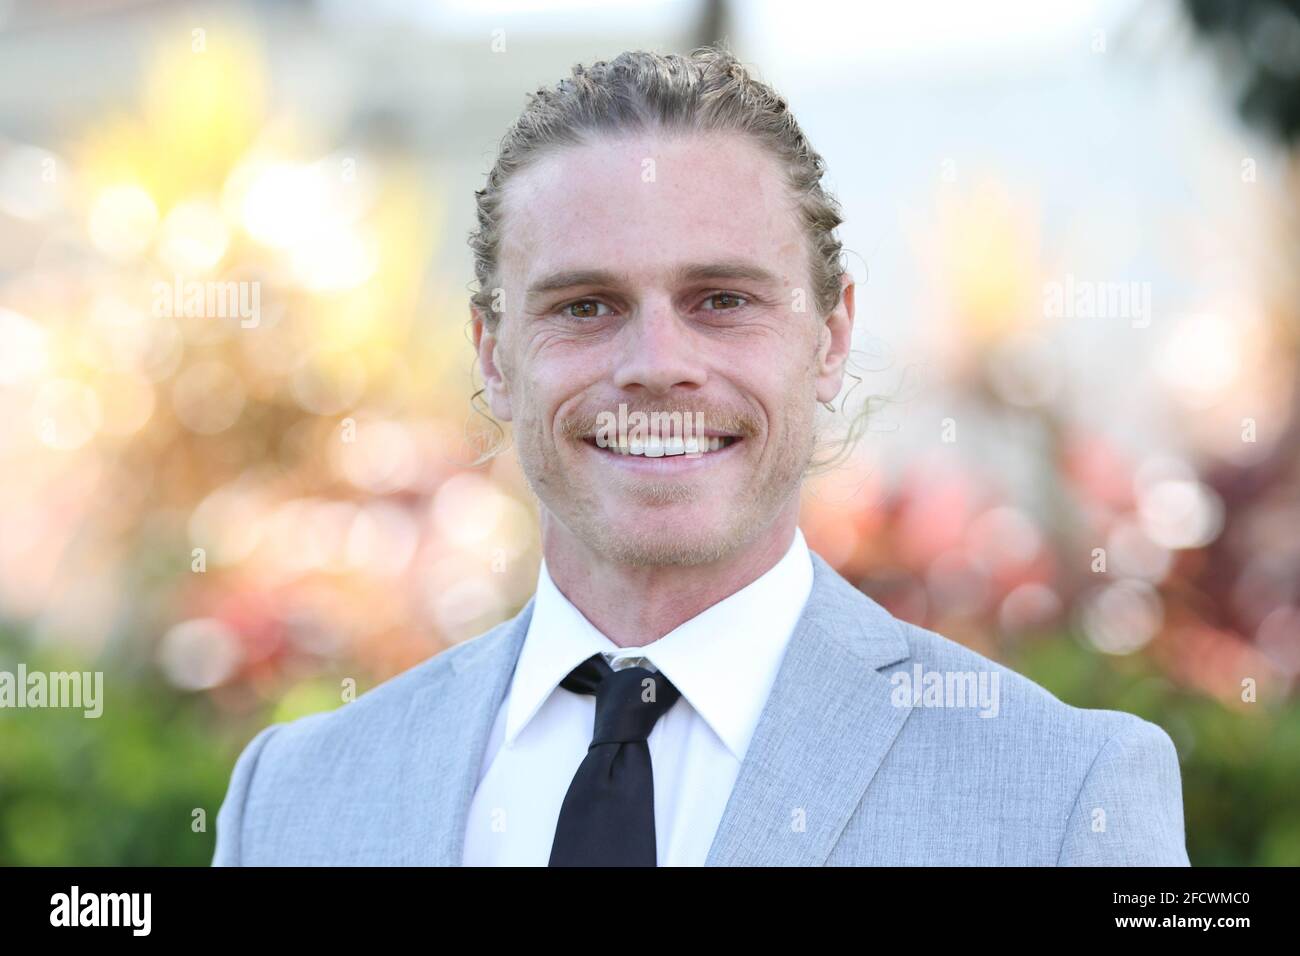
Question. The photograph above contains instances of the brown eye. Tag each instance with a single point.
(728, 300)
(586, 309)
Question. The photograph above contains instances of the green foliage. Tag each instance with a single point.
(119, 789)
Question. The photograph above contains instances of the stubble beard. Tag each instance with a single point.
(752, 508)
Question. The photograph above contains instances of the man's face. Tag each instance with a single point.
(668, 274)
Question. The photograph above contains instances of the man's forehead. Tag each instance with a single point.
(667, 160)
(649, 201)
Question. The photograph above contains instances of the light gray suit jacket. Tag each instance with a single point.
(848, 765)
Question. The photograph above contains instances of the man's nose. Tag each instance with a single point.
(658, 351)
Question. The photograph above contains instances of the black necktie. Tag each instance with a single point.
(608, 815)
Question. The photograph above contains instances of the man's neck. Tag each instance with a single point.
(635, 605)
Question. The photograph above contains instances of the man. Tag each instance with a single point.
(690, 684)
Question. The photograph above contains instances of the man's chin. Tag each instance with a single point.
(663, 541)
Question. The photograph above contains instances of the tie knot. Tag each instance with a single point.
(628, 702)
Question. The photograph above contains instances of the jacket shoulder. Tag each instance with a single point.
(1019, 697)
(1112, 778)
(383, 706)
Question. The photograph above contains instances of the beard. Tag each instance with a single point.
(725, 520)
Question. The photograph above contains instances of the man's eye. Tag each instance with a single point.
(585, 309)
(725, 301)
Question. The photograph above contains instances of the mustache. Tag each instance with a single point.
(582, 424)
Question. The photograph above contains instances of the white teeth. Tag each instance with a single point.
(667, 448)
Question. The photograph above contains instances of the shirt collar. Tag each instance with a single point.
(724, 660)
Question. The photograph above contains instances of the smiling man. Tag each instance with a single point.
(690, 684)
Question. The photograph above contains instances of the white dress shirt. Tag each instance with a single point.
(724, 661)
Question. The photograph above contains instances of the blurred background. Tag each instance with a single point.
(1074, 228)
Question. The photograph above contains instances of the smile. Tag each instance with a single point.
(671, 457)
(668, 448)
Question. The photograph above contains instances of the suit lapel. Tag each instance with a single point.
(445, 737)
(827, 725)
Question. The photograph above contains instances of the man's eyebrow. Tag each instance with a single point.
(570, 278)
(573, 277)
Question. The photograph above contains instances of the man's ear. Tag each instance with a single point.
(835, 338)
(495, 385)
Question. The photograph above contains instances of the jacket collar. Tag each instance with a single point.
(824, 731)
